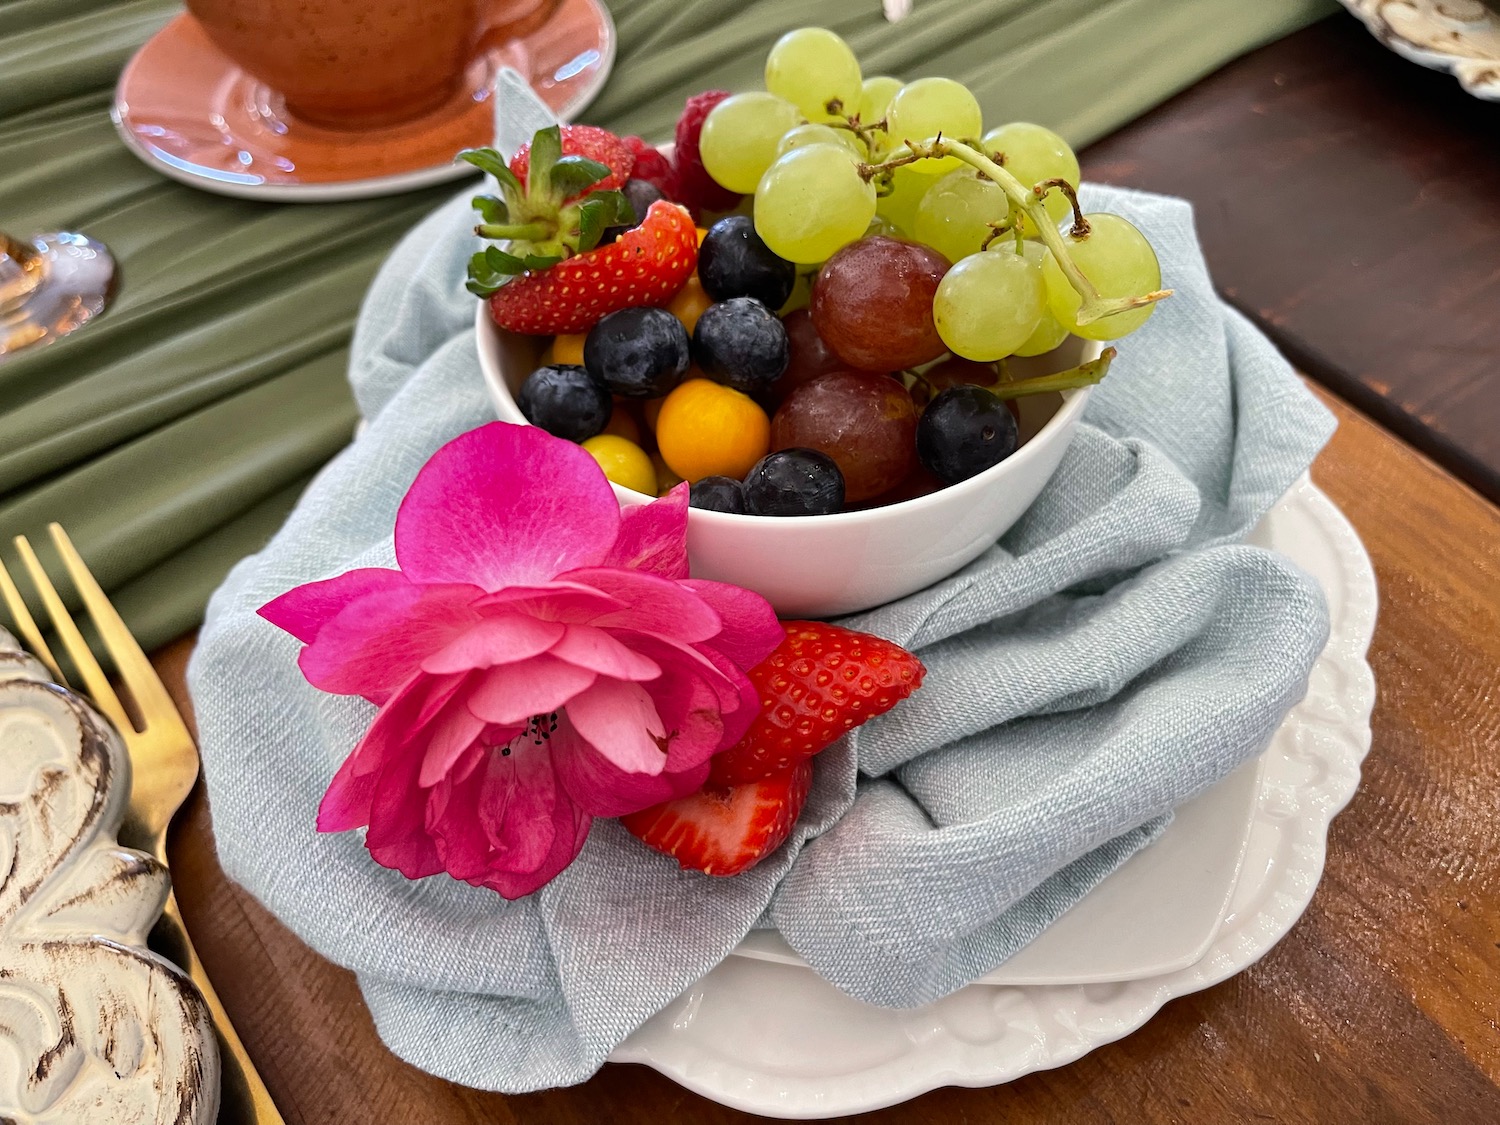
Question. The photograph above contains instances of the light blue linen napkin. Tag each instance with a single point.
(1116, 653)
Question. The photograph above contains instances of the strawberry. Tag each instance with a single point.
(593, 143)
(653, 167)
(695, 186)
(644, 266)
(820, 683)
(725, 831)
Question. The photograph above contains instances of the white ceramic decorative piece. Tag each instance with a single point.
(94, 1028)
(778, 1040)
(1458, 36)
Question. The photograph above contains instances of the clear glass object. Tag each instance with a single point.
(50, 285)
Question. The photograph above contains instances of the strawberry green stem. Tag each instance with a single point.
(1095, 305)
(529, 232)
(1084, 375)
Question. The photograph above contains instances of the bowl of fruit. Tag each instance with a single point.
(865, 346)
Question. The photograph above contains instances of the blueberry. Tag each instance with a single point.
(566, 401)
(717, 494)
(794, 482)
(637, 353)
(641, 194)
(741, 343)
(734, 262)
(965, 430)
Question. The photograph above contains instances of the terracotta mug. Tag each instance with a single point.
(358, 64)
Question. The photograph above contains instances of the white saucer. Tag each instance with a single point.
(776, 1039)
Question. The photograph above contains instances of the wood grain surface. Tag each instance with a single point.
(1379, 1007)
(1349, 202)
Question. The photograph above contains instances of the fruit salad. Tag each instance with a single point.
(818, 301)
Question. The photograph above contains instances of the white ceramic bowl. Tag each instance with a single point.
(822, 566)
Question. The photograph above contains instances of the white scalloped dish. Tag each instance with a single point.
(774, 1038)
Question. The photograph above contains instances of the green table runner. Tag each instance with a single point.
(173, 436)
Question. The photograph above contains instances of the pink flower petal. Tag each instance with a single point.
(502, 639)
(597, 651)
(304, 610)
(736, 719)
(377, 642)
(572, 829)
(454, 731)
(346, 804)
(651, 604)
(567, 602)
(603, 788)
(514, 693)
(620, 719)
(397, 725)
(518, 796)
(398, 836)
(452, 817)
(679, 660)
(690, 711)
(751, 631)
(505, 505)
(653, 537)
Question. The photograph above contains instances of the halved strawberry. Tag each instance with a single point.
(560, 208)
(820, 683)
(591, 142)
(723, 831)
(646, 265)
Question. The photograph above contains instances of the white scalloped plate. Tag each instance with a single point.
(1461, 37)
(776, 1039)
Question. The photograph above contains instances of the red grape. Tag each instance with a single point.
(872, 303)
(865, 422)
(810, 356)
(952, 371)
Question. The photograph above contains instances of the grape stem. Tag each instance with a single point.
(852, 123)
(1095, 306)
(1081, 226)
(997, 230)
(1084, 375)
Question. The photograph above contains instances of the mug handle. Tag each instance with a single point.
(515, 19)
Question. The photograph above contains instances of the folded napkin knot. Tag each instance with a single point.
(1114, 655)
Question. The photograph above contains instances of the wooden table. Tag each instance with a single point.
(1349, 202)
(1380, 1006)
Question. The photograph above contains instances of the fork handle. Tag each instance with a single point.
(243, 1094)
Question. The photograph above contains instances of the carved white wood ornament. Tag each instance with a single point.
(94, 1028)
(1460, 36)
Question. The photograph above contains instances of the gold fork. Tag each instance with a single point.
(163, 765)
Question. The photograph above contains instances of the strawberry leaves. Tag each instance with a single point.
(555, 201)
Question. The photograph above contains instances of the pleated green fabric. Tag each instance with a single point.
(172, 436)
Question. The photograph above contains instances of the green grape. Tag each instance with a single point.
(929, 106)
(1119, 261)
(954, 216)
(1049, 333)
(989, 304)
(804, 135)
(811, 202)
(1033, 154)
(811, 67)
(740, 137)
(878, 92)
(876, 97)
(909, 184)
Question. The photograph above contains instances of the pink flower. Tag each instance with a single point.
(539, 659)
